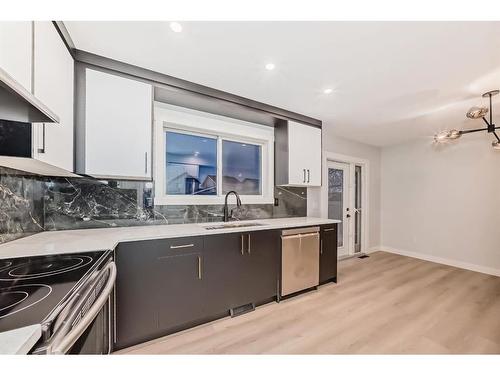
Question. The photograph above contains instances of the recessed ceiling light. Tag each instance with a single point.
(327, 91)
(176, 27)
(270, 66)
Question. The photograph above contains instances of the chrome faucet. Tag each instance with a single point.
(226, 209)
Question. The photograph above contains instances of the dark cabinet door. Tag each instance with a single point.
(240, 269)
(135, 289)
(224, 264)
(262, 265)
(179, 290)
(328, 254)
(159, 288)
(178, 272)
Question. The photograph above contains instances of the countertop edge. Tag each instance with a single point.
(74, 241)
(20, 340)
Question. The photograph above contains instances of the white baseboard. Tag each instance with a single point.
(373, 249)
(446, 261)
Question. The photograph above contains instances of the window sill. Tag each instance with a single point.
(206, 200)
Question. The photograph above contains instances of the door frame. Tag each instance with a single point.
(365, 197)
(345, 249)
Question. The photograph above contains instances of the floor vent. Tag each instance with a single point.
(363, 256)
(240, 310)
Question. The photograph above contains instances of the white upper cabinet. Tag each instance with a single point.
(304, 153)
(15, 50)
(118, 123)
(53, 85)
(298, 154)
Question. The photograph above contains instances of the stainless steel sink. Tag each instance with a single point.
(232, 225)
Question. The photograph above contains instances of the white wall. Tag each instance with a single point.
(338, 145)
(442, 202)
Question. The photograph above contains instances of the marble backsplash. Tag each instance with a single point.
(30, 204)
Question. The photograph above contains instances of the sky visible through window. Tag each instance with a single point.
(191, 164)
(241, 168)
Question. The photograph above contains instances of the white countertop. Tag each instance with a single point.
(81, 240)
(21, 340)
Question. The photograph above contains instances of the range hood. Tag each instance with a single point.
(18, 104)
(34, 166)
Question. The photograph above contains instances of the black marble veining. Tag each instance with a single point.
(21, 205)
(31, 204)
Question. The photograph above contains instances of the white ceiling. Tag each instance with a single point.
(392, 81)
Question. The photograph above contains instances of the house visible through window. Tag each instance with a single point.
(241, 168)
(200, 157)
(191, 164)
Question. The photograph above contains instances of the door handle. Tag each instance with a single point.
(308, 176)
(199, 268)
(304, 175)
(348, 216)
(242, 244)
(248, 244)
(321, 247)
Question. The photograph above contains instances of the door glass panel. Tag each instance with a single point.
(357, 211)
(336, 199)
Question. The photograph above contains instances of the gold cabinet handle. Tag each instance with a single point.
(199, 268)
(181, 246)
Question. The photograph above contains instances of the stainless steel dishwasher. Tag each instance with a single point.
(299, 259)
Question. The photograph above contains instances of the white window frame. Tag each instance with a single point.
(183, 120)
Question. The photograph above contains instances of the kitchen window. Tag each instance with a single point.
(241, 170)
(199, 157)
(191, 164)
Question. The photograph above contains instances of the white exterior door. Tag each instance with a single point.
(345, 193)
(338, 203)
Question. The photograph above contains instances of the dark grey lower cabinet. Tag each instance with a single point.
(135, 310)
(159, 288)
(180, 293)
(240, 269)
(168, 285)
(263, 265)
(328, 254)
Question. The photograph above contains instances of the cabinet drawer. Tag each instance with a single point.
(178, 246)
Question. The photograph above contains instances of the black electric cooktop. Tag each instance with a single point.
(31, 287)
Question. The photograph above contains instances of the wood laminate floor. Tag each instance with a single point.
(386, 303)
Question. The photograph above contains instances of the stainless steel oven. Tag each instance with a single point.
(83, 324)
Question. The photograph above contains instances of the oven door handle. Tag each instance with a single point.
(62, 345)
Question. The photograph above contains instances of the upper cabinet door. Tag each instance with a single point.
(15, 50)
(118, 122)
(304, 155)
(53, 85)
